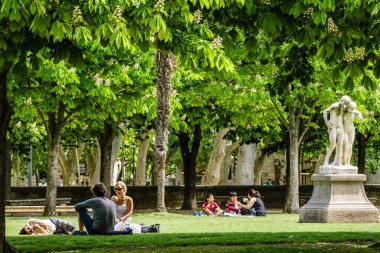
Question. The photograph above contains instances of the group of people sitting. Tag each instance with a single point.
(109, 216)
(254, 206)
(113, 216)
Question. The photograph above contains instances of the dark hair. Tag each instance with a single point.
(209, 195)
(254, 193)
(23, 232)
(233, 194)
(99, 190)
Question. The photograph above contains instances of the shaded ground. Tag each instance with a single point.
(257, 248)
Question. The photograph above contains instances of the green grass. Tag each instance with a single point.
(186, 233)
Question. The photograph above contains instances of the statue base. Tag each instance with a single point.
(335, 169)
(339, 198)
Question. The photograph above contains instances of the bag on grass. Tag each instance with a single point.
(151, 229)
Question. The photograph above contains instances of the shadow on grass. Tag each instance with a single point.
(203, 242)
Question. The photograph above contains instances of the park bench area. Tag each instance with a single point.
(36, 210)
(20, 207)
(35, 202)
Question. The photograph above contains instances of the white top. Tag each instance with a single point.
(121, 210)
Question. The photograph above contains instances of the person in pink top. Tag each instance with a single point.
(210, 207)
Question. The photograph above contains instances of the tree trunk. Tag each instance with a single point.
(69, 165)
(245, 164)
(362, 143)
(55, 126)
(292, 196)
(105, 142)
(5, 112)
(227, 161)
(153, 176)
(212, 173)
(258, 169)
(116, 143)
(93, 165)
(9, 174)
(165, 64)
(189, 158)
(141, 159)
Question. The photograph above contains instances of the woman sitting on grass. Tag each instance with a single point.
(255, 205)
(124, 206)
(210, 207)
(47, 227)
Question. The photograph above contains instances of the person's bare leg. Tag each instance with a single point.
(81, 227)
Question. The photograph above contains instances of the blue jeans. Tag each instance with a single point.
(87, 221)
(251, 211)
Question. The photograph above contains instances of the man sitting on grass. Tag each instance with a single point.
(103, 209)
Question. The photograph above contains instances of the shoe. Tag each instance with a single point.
(77, 232)
(156, 228)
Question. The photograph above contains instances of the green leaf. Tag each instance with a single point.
(349, 83)
(376, 70)
(335, 75)
(251, 7)
(5, 7)
(57, 30)
(270, 22)
(329, 50)
(3, 44)
(319, 17)
(308, 37)
(368, 83)
(83, 33)
(297, 10)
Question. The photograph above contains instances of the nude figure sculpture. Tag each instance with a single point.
(341, 130)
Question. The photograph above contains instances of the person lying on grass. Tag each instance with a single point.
(47, 227)
(210, 207)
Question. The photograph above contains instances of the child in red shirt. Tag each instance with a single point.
(210, 207)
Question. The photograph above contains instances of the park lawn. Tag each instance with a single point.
(186, 233)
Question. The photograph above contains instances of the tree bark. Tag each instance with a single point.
(9, 173)
(189, 158)
(141, 159)
(116, 143)
(212, 173)
(165, 64)
(245, 164)
(70, 164)
(5, 113)
(292, 195)
(362, 143)
(226, 165)
(105, 142)
(93, 165)
(258, 169)
(54, 129)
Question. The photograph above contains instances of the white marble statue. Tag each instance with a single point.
(341, 130)
(349, 114)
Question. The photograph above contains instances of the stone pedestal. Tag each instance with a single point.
(339, 198)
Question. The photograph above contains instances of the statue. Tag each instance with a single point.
(349, 114)
(341, 130)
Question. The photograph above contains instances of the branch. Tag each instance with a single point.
(300, 110)
(302, 135)
(279, 115)
(43, 118)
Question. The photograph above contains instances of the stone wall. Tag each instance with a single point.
(145, 196)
